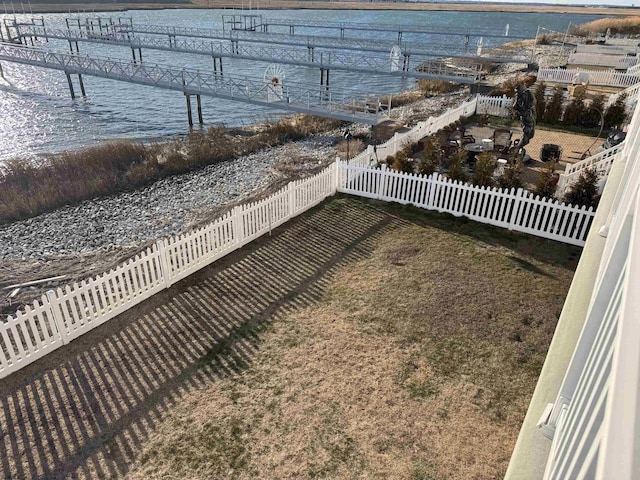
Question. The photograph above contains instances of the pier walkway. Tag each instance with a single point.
(400, 66)
(447, 48)
(295, 97)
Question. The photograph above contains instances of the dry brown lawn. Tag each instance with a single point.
(417, 361)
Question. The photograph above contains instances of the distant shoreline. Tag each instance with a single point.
(328, 5)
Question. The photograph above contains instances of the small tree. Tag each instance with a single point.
(511, 178)
(456, 166)
(594, 112)
(585, 190)
(540, 99)
(547, 181)
(483, 171)
(553, 111)
(615, 115)
(402, 162)
(430, 157)
(575, 111)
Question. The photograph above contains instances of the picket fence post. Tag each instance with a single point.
(383, 180)
(432, 180)
(395, 143)
(164, 262)
(53, 304)
(516, 208)
(237, 225)
(291, 199)
(336, 175)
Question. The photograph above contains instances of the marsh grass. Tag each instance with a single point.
(624, 26)
(29, 188)
(417, 361)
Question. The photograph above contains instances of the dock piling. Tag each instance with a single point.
(199, 102)
(189, 116)
(84, 94)
(73, 94)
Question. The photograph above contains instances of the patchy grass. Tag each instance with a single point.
(416, 362)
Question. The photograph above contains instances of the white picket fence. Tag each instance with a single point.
(601, 161)
(66, 313)
(497, 106)
(610, 78)
(374, 155)
(604, 60)
(631, 97)
(518, 210)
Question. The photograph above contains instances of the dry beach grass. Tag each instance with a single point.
(362, 340)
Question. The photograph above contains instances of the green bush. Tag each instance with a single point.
(575, 111)
(430, 157)
(585, 190)
(615, 115)
(456, 166)
(540, 99)
(483, 171)
(546, 185)
(512, 176)
(553, 111)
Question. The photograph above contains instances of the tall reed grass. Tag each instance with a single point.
(623, 26)
(29, 188)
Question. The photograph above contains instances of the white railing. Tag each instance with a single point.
(518, 210)
(497, 106)
(606, 60)
(594, 419)
(611, 78)
(422, 129)
(66, 313)
(601, 161)
(631, 97)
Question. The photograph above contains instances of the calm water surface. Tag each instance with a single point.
(38, 115)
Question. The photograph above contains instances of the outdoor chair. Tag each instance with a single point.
(502, 140)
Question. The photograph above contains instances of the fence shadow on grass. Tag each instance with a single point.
(84, 410)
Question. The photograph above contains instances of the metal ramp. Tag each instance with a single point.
(404, 66)
(449, 49)
(295, 97)
(400, 29)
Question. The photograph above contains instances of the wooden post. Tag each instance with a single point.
(81, 85)
(189, 117)
(140, 54)
(199, 109)
(73, 94)
(133, 54)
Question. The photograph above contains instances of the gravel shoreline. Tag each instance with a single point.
(175, 204)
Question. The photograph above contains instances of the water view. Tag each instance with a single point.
(38, 115)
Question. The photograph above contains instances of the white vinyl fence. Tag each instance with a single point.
(66, 313)
(601, 161)
(432, 125)
(604, 60)
(518, 210)
(610, 78)
(594, 419)
(497, 106)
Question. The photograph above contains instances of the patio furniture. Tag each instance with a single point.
(550, 152)
(502, 140)
(501, 164)
(474, 149)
